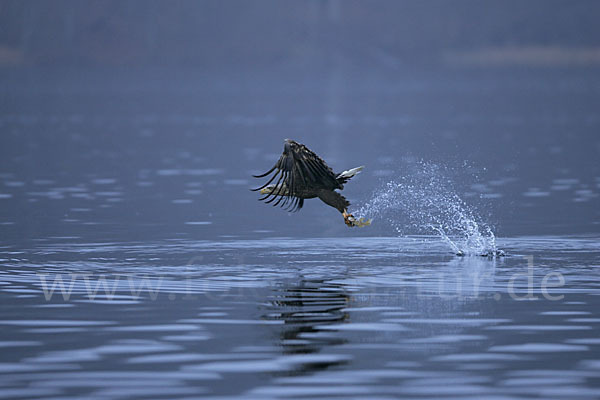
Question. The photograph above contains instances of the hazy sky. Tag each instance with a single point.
(217, 33)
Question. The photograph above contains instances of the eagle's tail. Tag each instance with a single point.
(346, 175)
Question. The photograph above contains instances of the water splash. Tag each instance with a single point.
(424, 202)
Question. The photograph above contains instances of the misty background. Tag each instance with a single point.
(319, 33)
(138, 118)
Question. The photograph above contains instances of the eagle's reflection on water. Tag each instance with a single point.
(305, 307)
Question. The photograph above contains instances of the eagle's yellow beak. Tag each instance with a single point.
(264, 191)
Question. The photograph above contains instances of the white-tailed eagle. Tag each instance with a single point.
(301, 174)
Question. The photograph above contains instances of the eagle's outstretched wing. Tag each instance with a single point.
(298, 171)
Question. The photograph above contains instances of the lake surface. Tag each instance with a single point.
(273, 317)
(135, 262)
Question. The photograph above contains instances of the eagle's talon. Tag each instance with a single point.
(351, 221)
(348, 219)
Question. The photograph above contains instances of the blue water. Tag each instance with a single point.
(367, 317)
(135, 262)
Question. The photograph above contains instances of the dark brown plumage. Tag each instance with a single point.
(300, 174)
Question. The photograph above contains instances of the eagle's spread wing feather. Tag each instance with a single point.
(298, 171)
